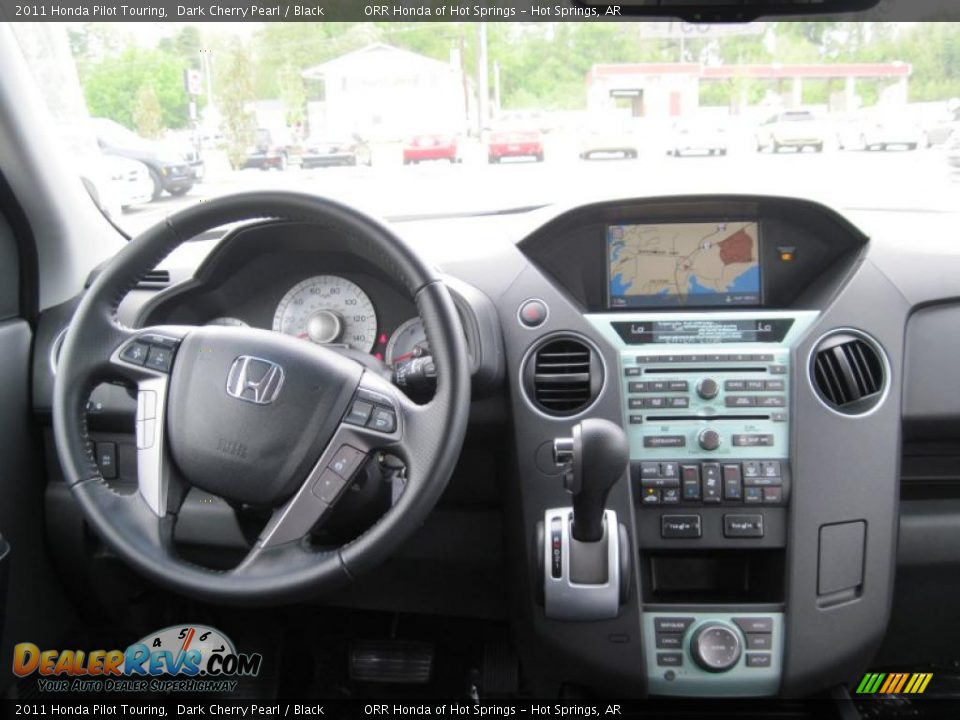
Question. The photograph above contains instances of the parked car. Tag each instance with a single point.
(515, 143)
(326, 152)
(169, 170)
(606, 139)
(791, 129)
(877, 131)
(698, 136)
(953, 150)
(266, 153)
(431, 147)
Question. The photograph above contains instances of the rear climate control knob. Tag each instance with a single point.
(709, 439)
(716, 647)
(708, 388)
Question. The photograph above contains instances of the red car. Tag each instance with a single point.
(430, 147)
(515, 143)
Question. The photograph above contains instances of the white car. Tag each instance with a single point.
(791, 129)
(698, 137)
(880, 132)
(116, 183)
(609, 139)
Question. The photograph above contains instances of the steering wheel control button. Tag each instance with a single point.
(146, 405)
(533, 313)
(709, 439)
(107, 459)
(135, 353)
(359, 413)
(328, 486)
(758, 660)
(160, 358)
(146, 433)
(346, 461)
(383, 420)
(743, 526)
(680, 527)
(716, 647)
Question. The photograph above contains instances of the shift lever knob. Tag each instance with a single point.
(596, 456)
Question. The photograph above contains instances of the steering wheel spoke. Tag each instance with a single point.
(374, 420)
(146, 357)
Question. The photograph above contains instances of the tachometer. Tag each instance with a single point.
(407, 342)
(328, 310)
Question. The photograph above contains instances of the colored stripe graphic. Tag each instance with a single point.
(894, 683)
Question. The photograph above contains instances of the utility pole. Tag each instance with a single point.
(483, 80)
(496, 87)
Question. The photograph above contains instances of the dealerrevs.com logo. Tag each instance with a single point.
(180, 658)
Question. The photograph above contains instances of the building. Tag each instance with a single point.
(664, 90)
(385, 93)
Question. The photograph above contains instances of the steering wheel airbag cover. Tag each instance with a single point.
(248, 449)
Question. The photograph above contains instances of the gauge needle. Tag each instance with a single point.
(405, 356)
(302, 335)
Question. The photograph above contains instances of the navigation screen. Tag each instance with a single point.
(683, 264)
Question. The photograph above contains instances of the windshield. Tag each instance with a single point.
(407, 119)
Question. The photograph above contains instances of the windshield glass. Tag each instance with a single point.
(407, 119)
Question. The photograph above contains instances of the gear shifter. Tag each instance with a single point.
(596, 456)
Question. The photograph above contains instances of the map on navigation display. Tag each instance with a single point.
(692, 264)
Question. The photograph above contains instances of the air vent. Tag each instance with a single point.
(563, 376)
(848, 372)
(154, 278)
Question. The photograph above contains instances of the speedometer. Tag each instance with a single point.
(328, 310)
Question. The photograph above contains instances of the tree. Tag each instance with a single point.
(234, 95)
(148, 115)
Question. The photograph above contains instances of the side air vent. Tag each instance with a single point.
(154, 278)
(563, 375)
(848, 372)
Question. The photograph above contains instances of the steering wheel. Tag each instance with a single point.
(256, 417)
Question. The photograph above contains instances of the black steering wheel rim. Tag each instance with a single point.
(432, 434)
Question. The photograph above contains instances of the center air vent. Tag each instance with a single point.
(848, 372)
(563, 375)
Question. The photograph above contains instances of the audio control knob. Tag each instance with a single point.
(716, 647)
(708, 388)
(709, 439)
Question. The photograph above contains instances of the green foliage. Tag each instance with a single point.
(112, 86)
(235, 92)
(148, 115)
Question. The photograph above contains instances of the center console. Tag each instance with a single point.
(706, 400)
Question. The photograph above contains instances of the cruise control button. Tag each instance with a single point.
(328, 486)
(359, 413)
(383, 420)
(346, 461)
(159, 358)
(135, 352)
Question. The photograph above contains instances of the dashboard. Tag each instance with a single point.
(764, 358)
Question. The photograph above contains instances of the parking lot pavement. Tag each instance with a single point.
(892, 180)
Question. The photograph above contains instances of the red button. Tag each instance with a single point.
(533, 313)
